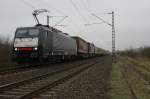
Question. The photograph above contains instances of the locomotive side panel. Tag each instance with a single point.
(82, 47)
(63, 44)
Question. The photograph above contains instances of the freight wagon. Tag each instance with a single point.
(99, 51)
(82, 47)
(91, 50)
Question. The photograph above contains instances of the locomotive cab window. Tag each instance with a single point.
(27, 32)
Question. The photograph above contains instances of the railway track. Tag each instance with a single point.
(28, 67)
(26, 89)
(19, 73)
(24, 67)
(36, 71)
(18, 69)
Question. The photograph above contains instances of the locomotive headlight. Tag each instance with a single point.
(15, 49)
(35, 48)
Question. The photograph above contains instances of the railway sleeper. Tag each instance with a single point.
(21, 90)
(50, 92)
(27, 88)
(35, 85)
(3, 96)
(56, 90)
(46, 95)
(14, 93)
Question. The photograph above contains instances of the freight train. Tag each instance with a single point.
(43, 42)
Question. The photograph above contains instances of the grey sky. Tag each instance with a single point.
(131, 19)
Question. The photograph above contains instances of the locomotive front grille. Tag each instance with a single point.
(25, 54)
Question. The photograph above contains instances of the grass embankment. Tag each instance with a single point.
(142, 65)
(134, 83)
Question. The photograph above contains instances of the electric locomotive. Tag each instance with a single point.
(42, 42)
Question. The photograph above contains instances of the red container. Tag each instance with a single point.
(82, 45)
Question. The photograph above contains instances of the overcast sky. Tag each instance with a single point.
(132, 19)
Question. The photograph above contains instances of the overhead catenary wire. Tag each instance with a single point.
(76, 8)
(33, 7)
(27, 4)
(61, 12)
(89, 9)
(101, 19)
(52, 8)
(89, 6)
(74, 5)
(84, 5)
(94, 23)
(86, 9)
(60, 21)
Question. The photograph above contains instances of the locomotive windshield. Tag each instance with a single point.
(27, 32)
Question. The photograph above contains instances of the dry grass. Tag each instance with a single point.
(119, 88)
(142, 62)
(138, 79)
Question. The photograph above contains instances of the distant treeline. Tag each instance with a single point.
(142, 51)
(5, 52)
(5, 46)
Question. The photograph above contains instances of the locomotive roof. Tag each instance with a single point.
(79, 38)
(45, 27)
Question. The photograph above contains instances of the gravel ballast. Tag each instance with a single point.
(90, 84)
